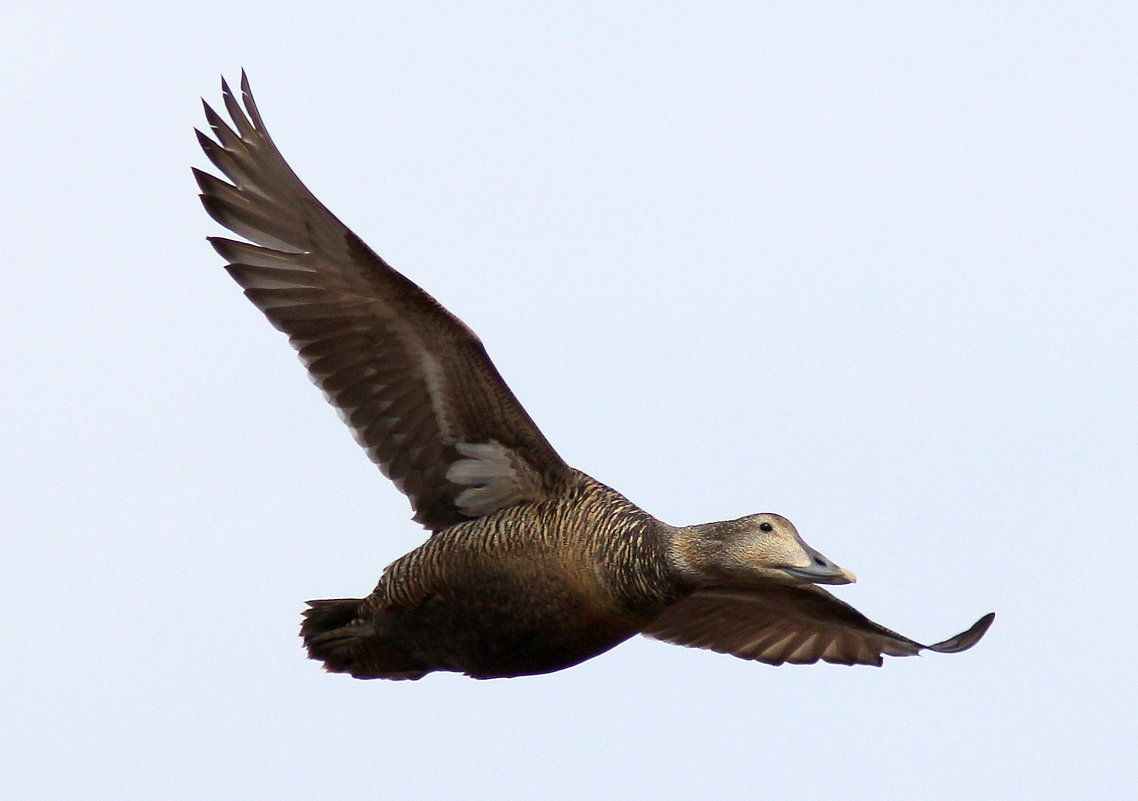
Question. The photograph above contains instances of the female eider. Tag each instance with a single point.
(531, 565)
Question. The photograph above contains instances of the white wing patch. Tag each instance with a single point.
(494, 476)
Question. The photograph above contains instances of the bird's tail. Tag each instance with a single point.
(335, 634)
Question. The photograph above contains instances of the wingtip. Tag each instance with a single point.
(216, 242)
(208, 183)
(201, 176)
(966, 639)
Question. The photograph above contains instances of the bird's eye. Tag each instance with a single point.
(766, 527)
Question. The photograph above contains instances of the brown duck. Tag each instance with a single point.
(531, 565)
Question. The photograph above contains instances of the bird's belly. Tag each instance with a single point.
(493, 631)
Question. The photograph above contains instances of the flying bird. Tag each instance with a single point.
(531, 566)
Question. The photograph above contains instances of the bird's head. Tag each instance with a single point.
(752, 549)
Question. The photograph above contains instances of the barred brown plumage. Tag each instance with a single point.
(532, 566)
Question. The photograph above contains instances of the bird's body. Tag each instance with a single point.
(529, 589)
(531, 566)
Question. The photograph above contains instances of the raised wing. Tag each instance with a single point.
(799, 624)
(411, 380)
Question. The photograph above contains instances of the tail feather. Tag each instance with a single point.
(331, 632)
(321, 616)
(335, 634)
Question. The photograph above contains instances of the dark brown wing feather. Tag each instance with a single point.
(410, 379)
(800, 624)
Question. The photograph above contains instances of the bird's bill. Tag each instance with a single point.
(820, 570)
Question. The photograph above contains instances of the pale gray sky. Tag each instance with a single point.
(871, 269)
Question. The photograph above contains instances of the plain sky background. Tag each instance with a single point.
(871, 266)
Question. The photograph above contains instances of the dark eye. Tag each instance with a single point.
(766, 527)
